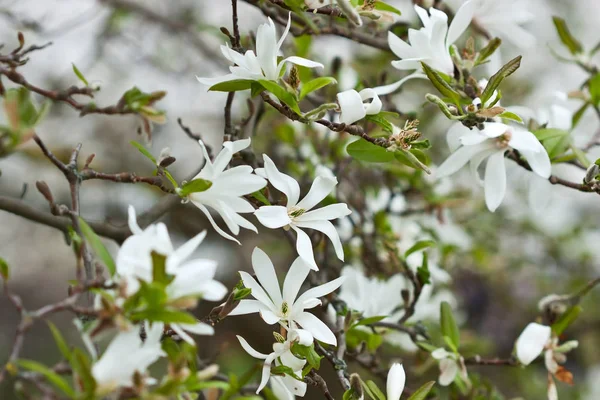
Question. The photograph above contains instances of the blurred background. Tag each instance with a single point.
(510, 258)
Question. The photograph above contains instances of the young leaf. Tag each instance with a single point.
(369, 320)
(286, 97)
(488, 50)
(369, 152)
(410, 159)
(373, 390)
(98, 246)
(423, 273)
(232, 86)
(143, 150)
(508, 69)
(512, 116)
(422, 392)
(566, 37)
(420, 245)
(449, 327)
(80, 75)
(594, 85)
(60, 341)
(83, 367)
(56, 380)
(381, 6)
(566, 319)
(4, 269)
(315, 84)
(578, 114)
(194, 186)
(440, 84)
(380, 120)
(166, 316)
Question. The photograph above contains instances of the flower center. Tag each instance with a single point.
(502, 140)
(296, 212)
(284, 309)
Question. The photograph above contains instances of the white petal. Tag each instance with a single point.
(269, 316)
(184, 251)
(329, 230)
(495, 181)
(273, 217)
(399, 47)
(396, 379)
(522, 139)
(458, 159)
(454, 134)
(440, 353)
(316, 327)
(265, 272)
(462, 20)
(332, 211)
(320, 188)
(387, 89)
(539, 162)
(303, 62)
(247, 307)
(301, 336)
(374, 107)
(199, 329)
(448, 371)
(351, 107)
(304, 248)
(266, 372)
(132, 221)
(213, 223)
(279, 390)
(294, 279)
(320, 291)
(250, 350)
(266, 49)
(219, 79)
(531, 342)
(285, 31)
(282, 182)
(472, 138)
(257, 291)
(495, 129)
(181, 333)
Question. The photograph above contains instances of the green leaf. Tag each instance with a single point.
(315, 84)
(594, 85)
(512, 116)
(411, 159)
(194, 186)
(488, 50)
(508, 69)
(208, 385)
(60, 341)
(578, 114)
(420, 245)
(423, 273)
(440, 84)
(80, 75)
(242, 293)
(566, 37)
(282, 94)
(426, 346)
(4, 269)
(143, 150)
(422, 392)
(98, 246)
(284, 370)
(566, 320)
(369, 320)
(549, 133)
(258, 195)
(369, 152)
(448, 324)
(308, 353)
(232, 86)
(381, 6)
(166, 316)
(580, 155)
(373, 390)
(381, 121)
(83, 367)
(56, 380)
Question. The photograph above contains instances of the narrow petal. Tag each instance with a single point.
(458, 159)
(472, 138)
(269, 316)
(257, 291)
(303, 62)
(460, 23)
(247, 307)
(213, 223)
(266, 372)
(396, 379)
(282, 182)
(273, 217)
(329, 230)
(316, 327)
(495, 180)
(332, 211)
(495, 129)
(219, 79)
(294, 279)
(285, 31)
(279, 389)
(132, 221)
(199, 329)
(181, 333)
(456, 131)
(399, 47)
(320, 188)
(304, 248)
(248, 349)
(185, 250)
(265, 272)
(531, 342)
(522, 139)
(301, 336)
(321, 290)
(539, 162)
(387, 89)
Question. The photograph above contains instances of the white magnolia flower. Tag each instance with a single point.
(297, 214)
(396, 379)
(451, 365)
(282, 355)
(225, 196)
(532, 341)
(430, 44)
(191, 278)
(285, 307)
(491, 143)
(125, 355)
(353, 106)
(263, 64)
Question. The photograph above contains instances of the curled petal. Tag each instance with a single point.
(351, 106)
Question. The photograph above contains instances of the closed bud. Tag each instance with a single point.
(356, 387)
(591, 173)
(293, 78)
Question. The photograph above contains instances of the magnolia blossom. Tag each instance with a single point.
(125, 355)
(491, 143)
(451, 365)
(297, 214)
(396, 379)
(285, 307)
(263, 64)
(282, 355)
(430, 44)
(191, 278)
(532, 341)
(353, 106)
(225, 195)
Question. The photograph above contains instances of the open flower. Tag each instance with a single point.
(263, 64)
(285, 307)
(281, 355)
(491, 143)
(396, 379)
(297, 214)
(192, 278)
(125, 356)
(430, 44)
(451, 365)
(353, 105)
(228, 186)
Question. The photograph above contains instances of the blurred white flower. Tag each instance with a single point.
(286, 307)
(451, 365)
(263, 64)
(125, 355)
(354, 105)
(190, 278)
(531, 342)
(297, 214)
(281, 355)
(396, 379)
(430, 44)
(225, 195)
(491, 143)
